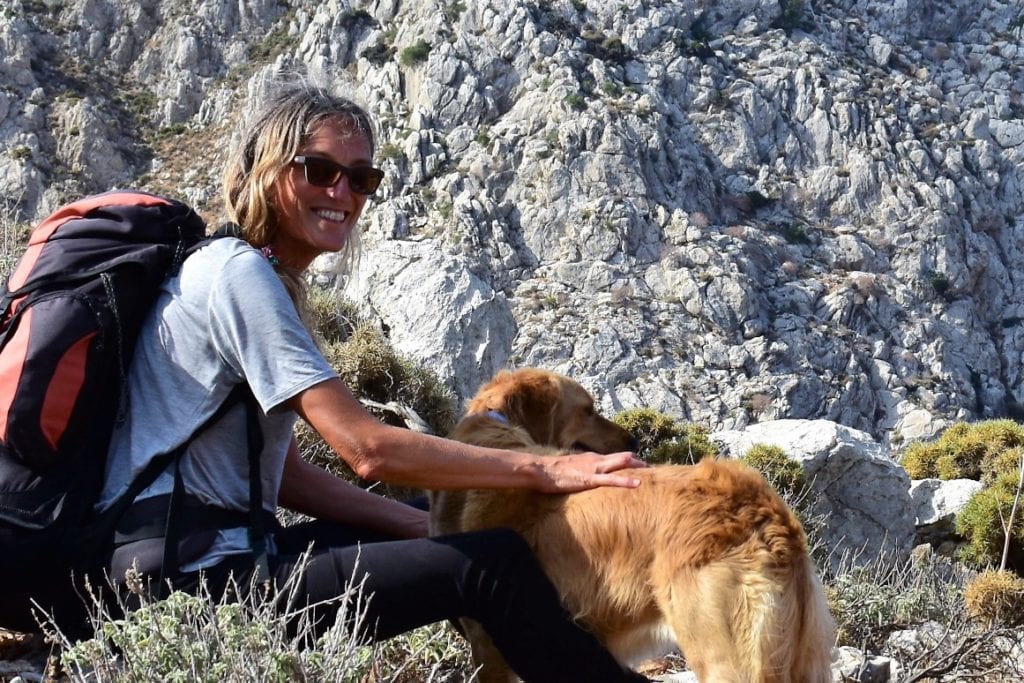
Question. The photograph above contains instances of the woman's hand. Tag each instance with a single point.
(581, 471)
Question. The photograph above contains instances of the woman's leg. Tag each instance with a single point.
(491, 577)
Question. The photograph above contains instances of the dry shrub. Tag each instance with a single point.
(871, 601)
(333, 317)
(375, 372)
(996, 598)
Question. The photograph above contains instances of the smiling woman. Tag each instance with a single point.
(319, 217)
(296, 187)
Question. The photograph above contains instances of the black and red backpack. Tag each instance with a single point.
(69, 316)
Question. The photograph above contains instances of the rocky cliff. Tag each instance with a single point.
(730, 211)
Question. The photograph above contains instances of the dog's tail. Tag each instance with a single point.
(796, 635)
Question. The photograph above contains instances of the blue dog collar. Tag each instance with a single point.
(495, 415)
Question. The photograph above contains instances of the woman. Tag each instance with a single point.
(296, 187)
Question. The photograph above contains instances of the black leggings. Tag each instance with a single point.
(489, 576)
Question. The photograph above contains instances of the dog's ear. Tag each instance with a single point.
(531, 401)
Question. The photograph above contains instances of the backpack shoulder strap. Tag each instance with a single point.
(257, 524)
(108, 518)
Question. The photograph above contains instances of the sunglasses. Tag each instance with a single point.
(326, 173)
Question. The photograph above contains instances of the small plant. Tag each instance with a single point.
(759, 200)
(576, 101)
(390, 150)
(172, 130)
(795, 233)
(445, 209)
(784, 474)
(792, 15)
(483, 136)
(139, 101)
(757, 402)
(415, 54)
(662, 439)
(21, 152)
(275, 42)
(611, 88)
(870, 601)
(939, 282)
(996, 598)
(454, 10)
(379, 53)
(612, 49)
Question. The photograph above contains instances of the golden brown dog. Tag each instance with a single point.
(706, 558)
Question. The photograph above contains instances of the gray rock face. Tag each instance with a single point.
(733, 213)
(437, 310)
(937, 503)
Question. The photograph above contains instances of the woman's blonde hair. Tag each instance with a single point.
(269, 142)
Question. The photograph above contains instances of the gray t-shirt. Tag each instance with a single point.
(224, 318)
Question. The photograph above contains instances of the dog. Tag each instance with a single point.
(706, 558)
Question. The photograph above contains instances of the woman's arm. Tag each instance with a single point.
(381, 452)
(316, 492)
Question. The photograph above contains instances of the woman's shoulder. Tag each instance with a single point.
(225, 248)
(226, 262)
(228, 253)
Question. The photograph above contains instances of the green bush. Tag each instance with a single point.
(390, 150)
(981, 523)
(664, 440)
(210, 640)
(964, 451)
(576, 101)
(989, 452)
(415, 54)
(784, 474)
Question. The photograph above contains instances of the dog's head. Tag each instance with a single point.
(555, 410)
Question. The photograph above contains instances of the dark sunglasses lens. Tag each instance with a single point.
(322, 172)
(326, 173)
(365, 179)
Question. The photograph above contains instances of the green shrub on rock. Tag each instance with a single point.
(989, 452)
(783, 473)
(981, 523)
(663, 439)
(963, 450)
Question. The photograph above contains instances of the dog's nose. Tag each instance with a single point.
(634, 443)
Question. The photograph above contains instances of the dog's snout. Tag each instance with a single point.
(634, 443)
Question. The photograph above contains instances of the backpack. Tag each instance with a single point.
(69, 316)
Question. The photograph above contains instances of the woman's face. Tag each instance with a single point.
(312, 219)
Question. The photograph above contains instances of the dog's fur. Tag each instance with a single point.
(706, 558)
